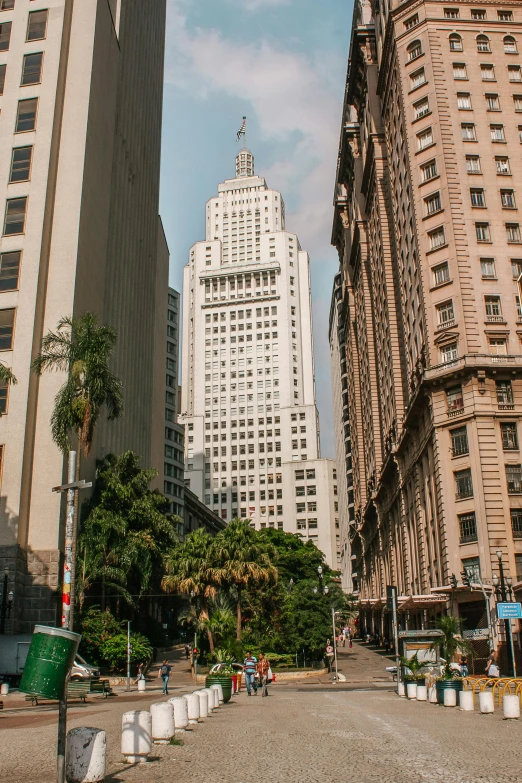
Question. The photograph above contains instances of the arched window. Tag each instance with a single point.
(414, 50)
(510, 45)
(483, 43)
(455, 43)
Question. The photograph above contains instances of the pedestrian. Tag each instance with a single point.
(263, 666)
(187, 651)
(330, 653)
(492, 667)
(464, 667)
(250, 668)
(164, 673)
(141, 673)
(350, 643)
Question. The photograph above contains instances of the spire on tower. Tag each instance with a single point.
(244, 163)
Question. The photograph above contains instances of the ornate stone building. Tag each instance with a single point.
(427, 226)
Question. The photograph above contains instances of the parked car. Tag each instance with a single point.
(82, 671)
(238, 667)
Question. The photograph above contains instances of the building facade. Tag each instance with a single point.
(80, 124)
(248, 390)
(173, 464)
(428, 230)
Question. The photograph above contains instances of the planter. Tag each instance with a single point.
(224, 681)
(443, 685)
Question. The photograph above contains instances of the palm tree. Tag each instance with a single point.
(242, 561)
(191, 570)
(82, 349)
(450, 642)
(6, 374)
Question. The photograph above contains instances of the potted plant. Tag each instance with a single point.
(448, 644)
(412, 675)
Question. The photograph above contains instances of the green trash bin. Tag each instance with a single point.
(49, 662)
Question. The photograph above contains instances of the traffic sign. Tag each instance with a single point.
(509, 611)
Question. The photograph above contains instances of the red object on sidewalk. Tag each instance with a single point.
(234, 682)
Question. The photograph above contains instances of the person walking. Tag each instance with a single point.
(164, 673)
(262, 667)
(141, 673)
(330, 653)
(250, 668)
(187, 651)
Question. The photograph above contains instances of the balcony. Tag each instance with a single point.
(495, 319)
(449, 324)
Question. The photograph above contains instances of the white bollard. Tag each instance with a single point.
(203, 704)
(180, 711)
(450, 697)
(411, 690)
(4, 689)
(220, 691)
(86, 755)
(192, 707)
(142, 685)
(432, 696)
(215, 691)
(466, 701)
(210, 696)
(422, 693)
(136, 736)
(162, 715)
(486, 702)
(401, 690)
(511, 706)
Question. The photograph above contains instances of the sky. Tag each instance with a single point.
(282, 64)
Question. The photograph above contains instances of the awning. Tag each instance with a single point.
(412, 602)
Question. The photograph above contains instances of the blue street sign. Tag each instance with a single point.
(509, 611)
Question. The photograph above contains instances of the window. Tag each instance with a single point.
(464, 101)
(497, 132)
(445, 313)
(510, 45)
(468, 131)
(459, 441)
(436, 238)
(37, 25)
(5, 35)
(454, 398)
(514, 479)
(516, 268)
(478, 198)
(483, 43)
(482, 232)
(21, 164)
(517, 102)
(513, 232)
(493, 309)
(9, 270)
(520, 133)
(310, 474)
(32, 69)
(473, 164)
(14, 221)
(468, 528)
(3, 69)
(441, 273)
(487, 268)
(505, 16)
(433, 204)
(471, 567)
(502, 165)
(507, 198)
(421, 108)
(411, 22)
(417, 79)
(414, 50)
(429, 170)
(6, 329)
(487, 72)
(451, 13)
(508, 431)
(497, 345)
(463, 484)
(7, 5)
(424, 139)
(455, 43)
(449, 353)
(492, 102)
(515, 74)
(516, 527)
(459, 71)
(504, 393)
(478, 13)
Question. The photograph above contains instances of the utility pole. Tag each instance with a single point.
(335, 645)
(128, 656)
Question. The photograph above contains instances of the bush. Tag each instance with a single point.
(97, 627)
(114, 651)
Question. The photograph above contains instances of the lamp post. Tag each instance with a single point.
(7, 601)
(500, 589)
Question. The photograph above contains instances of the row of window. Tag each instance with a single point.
(260, 311)
(468, 523)
(455, 402)
(456, 44)
(492, 306)
(36, 27)
(425, 137)
(433, 205)
(475, 13)
(487, 72)
(437, 236)
(441, 273)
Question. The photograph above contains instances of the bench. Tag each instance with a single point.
(75, 690)
(101, 686)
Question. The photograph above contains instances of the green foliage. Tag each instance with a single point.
(6, 375)
(450, 643)
(97, 626)
(114, 651)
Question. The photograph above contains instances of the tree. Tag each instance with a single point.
(244, 561)
(96, 627)
(296, 559)
(450, 642)
(6, 374)
(82, 349)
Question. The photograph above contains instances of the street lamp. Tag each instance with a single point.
(7, 601)
(500, 590)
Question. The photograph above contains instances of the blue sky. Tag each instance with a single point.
(282, 63)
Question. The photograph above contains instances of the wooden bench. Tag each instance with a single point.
(75, 690)
(101, 686)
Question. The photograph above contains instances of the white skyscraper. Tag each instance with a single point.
(248, 390)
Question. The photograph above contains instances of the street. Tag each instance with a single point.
(302, 733)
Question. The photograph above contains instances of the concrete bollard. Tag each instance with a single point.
(422, 693)
(142, 685)
(220, 691)
(511, 706)
(4, 689)
(486, 702)
(210, 696)
(203, 704)
(136, 736)
(192, 700)
(401, 690)
(162, 716)
(215, 691)
(450, 697)
(466, 701)
(432, 695)
(86, 755)
(411, 690)
(180, 711)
